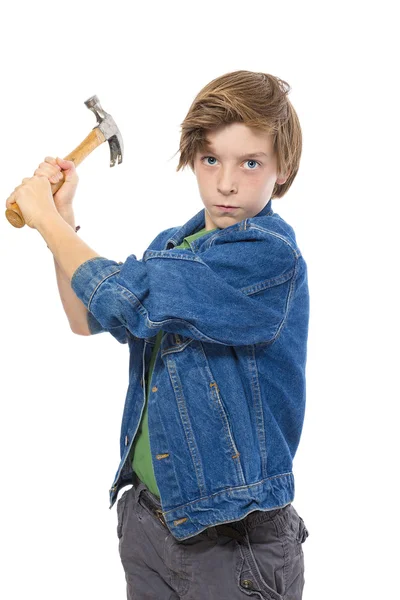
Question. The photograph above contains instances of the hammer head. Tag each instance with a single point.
(109, 129)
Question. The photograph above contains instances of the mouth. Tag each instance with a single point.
(226, 208)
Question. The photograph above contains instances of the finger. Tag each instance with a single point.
(52, 172)
(47, 170)
(42, 173)
(66, 165)
(9, 203)
(56, 178)
(52, 161)
(10, 200)
(50, 168)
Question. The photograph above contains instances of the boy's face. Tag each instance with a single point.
(227, 175)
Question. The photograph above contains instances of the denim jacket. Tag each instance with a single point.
(227, 397)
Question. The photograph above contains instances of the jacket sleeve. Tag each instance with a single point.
(234, 293)
(119, 332)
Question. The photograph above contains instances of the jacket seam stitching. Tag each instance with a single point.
(97, 286)
(148, 255)
(290, 295)
(268, 283)
(293, 248)
(160, 324)
(225, 232)
(84, 263)
(233, 488)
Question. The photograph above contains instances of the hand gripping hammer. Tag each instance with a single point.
(105, 130)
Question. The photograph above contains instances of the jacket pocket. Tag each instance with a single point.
(174, 342)
(222, 412)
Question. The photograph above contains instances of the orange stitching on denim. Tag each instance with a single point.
(180, 521)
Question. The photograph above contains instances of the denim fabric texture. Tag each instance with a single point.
(227, 401)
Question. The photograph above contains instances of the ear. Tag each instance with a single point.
(283, 179)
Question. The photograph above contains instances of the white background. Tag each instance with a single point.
(62, 394)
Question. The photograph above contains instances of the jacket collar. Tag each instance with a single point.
(198, 222)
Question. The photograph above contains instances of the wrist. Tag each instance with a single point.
(47, 221)
(42, 226)
(68, 216)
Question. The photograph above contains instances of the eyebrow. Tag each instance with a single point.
(208, 148)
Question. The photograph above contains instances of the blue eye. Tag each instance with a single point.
(252, 161)
(249, 161)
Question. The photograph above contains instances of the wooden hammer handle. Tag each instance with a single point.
(94, 139)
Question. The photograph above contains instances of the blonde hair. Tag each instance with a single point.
(258, 100)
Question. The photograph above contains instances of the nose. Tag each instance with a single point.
(226, 184)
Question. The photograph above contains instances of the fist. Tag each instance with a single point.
(34, 199)
(56, 170)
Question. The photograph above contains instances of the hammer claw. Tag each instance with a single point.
(116, 150)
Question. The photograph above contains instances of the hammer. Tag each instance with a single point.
(106, 129)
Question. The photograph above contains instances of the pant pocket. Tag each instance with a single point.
(120, 513)
(294, 533)
(295, 526)
(302, 533)
(251, 577)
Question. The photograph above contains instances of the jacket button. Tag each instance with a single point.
(154, 388)
(126, 440)
(246, 583)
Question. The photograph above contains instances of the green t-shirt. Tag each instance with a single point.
(142, 462)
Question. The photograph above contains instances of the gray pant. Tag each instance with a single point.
(259, 556)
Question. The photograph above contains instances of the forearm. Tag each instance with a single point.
(68, 249)
(74, 308)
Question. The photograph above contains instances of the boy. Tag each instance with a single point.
(216, 318)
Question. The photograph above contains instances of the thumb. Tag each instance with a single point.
(69, 169)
